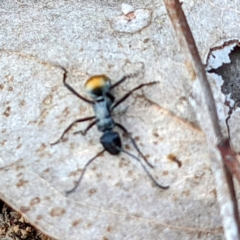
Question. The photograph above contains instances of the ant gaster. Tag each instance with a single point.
(99, 87)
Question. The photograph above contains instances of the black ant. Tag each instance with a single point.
(99, 87)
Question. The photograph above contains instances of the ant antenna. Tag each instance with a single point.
(83, 171)
(144, 168)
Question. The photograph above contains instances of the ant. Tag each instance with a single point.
(99, 88)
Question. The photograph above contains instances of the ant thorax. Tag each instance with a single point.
(102, 112)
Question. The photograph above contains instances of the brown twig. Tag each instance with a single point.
(203, 102)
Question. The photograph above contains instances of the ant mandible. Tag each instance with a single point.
(99, 88)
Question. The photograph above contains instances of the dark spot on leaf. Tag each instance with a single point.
(22, 103)
(155, 134)
(130, 172)
(19, 146)
(99, 175)
(136, 138)
(57, 211)
(127, 146)
(146, 40)
(7, 112)
(76, 222)
(75, 173)
(165, 173)
(89, 225)
(147, 156)
(41, 148)
(35, 201)
(21, 183)
(92, 191)
(18, 167)
(19, 174)
(24, 209)
(39, 217)
(186, 193)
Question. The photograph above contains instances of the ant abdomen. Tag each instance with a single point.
(111, 142)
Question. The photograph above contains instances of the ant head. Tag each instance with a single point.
(111, 142)
(98, 85)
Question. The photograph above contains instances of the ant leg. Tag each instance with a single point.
(130, 92)
(86, 130)
(133, 143)
(71, 89)
(125, 77)
(70, 126)
(120, 81)
(83, 171)
(144, 168)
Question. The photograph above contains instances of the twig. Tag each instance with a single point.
(203, 102)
